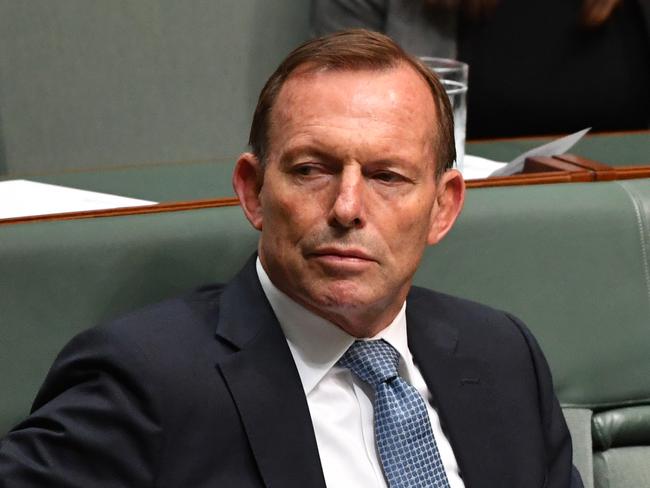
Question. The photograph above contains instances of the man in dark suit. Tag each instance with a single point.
(312, 367)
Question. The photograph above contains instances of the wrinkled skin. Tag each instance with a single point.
(348, 198)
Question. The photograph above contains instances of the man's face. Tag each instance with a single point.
(349, 198)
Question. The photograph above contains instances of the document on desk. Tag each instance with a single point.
(476, 167)
(553, 148)
(22, 198)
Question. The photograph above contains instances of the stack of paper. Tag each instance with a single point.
(22, 198)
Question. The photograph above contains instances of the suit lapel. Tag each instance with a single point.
(461, 390)
(266, 387)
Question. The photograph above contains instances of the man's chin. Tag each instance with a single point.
(342, 296)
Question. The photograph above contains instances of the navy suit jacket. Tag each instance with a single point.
(202, 391)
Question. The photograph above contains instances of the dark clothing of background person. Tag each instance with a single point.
(534, 67)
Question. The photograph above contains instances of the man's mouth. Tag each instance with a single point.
(346, 260)
(343, 253)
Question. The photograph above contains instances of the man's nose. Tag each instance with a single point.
(348, 209)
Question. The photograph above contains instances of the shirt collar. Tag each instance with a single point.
(316, 344)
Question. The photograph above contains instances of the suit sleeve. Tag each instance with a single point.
(559, 456)
(93, 423)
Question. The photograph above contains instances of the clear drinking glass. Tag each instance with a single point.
(453, 76)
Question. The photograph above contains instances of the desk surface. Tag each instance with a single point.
(196, 180)
(614, 149)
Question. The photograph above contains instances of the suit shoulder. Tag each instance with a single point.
(157, 344)
(445, 304)
(469, 318)
(184, 314)
(162, 337)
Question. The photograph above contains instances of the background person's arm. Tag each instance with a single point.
(333, 15)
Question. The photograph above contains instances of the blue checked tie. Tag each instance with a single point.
(403, 433)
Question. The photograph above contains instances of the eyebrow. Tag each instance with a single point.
(312, 150)
(306, 150)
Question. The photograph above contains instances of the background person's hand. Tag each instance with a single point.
(596, 12)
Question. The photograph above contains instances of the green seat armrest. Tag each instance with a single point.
(621, 427)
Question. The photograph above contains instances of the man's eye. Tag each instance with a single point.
(310, 170)
(305, 170)
(387, 177)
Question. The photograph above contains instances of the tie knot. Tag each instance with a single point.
(372, 361)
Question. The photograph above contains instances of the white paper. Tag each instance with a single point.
(553, 148)
(476, 167)
(22, 198)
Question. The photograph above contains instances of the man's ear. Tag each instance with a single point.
(247, 182)
(450, 196)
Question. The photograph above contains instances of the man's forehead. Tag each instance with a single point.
(398, 88)
(308, 75)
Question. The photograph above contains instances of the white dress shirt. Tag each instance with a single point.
(339, 403)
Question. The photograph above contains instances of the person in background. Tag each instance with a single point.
(536, 66)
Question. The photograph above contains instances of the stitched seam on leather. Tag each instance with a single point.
(601, 437)
(634, 197)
